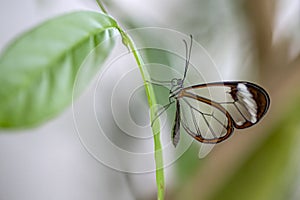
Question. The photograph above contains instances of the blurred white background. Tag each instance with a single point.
(50, 163)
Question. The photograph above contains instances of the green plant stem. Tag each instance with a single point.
(160, 182)
(158, 153)
(100, 4)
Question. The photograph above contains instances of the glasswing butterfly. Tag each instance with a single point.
(211, 119)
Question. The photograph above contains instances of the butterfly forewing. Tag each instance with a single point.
(245, 102)
(251, 101)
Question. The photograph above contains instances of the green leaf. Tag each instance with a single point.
(38, 70)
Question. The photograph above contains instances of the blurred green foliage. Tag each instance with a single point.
(273, 168)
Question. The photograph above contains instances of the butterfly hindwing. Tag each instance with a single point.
(204, 120)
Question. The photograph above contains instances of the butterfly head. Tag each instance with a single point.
(176, 82)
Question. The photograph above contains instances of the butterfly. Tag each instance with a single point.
(208, 118)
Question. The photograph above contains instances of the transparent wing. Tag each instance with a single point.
(204, 121)
(211, 111)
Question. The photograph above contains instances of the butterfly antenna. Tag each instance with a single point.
(187, 55)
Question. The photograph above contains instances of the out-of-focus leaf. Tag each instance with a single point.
(157, 56)
(161, 58)
(271, 171)
(189, 163)
(38, 70)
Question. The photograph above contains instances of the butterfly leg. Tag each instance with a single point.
(161, 111)
(159, 83)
